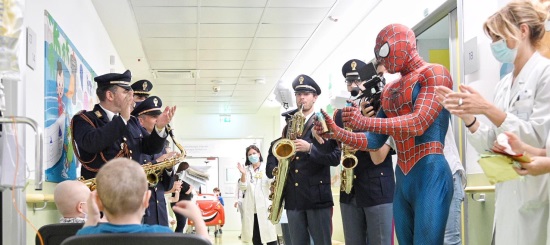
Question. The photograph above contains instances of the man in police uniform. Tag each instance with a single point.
(142, 90)
(147, 113)
(109, 131)
(367, 209)
(307, 193)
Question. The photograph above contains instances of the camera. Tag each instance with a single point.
(373, 86)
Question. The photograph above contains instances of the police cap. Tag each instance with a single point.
(150, 106)
(122, 80)
(352, 70)
(142, 87)
(304, 83)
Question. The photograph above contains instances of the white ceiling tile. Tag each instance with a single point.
(240, 3)
(248, 93)
(209, 93)
(279, 43)
(219, 81)
(225, 43)
(253, 86)
(222, 64)
(169, 43)
(286, 30)
(168, 30)
(208, 87)
(262, 73)
(166, 81)
(303, 3)
(172, 65)
(173, 87)
(248, 98)
(180, 93)
(266, 64)
(165, 14)
(171, 54)
(222, 54)
(212, 15)
(294, 15)
(228, 30)
(272, 54)
(214, 98)
(178, 99)
(166, 3)
(219, 73)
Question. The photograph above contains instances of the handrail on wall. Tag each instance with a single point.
(480, 191)
(39, 198)
(38, 145)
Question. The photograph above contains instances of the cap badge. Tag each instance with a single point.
(301, 80)
(144, 86)
(353, 65)
(155, 101)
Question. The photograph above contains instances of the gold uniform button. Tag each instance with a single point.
(297, 158)
(157, 201)
(296, 170)
(296, 184)
(381, 173)
(355, 176)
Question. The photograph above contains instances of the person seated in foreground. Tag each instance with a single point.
(123, 196)
(70, 198)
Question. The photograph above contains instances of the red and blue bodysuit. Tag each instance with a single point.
(418, 124)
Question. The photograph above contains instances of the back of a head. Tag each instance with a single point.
(505, 23)
(68, 194)
(121, 186)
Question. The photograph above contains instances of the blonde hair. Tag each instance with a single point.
(121, 186)
(505, 23)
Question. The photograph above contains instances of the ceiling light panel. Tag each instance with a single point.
(171, 54)
(172, 64)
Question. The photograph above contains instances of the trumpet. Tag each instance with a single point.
(284, 150)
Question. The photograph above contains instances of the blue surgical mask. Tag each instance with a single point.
(254, 158)
(502, 53)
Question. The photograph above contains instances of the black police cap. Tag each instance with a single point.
(351, 69)
(142, 87)
(304, 83)
(150, 106)
(122, 80)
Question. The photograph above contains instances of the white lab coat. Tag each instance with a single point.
(521, 207)
(256, 200)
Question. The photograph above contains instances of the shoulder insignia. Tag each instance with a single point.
(98, 114)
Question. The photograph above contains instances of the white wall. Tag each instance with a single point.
(360, 44)
(81, 24)
(485, 79)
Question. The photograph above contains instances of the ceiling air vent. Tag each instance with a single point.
(176, 74)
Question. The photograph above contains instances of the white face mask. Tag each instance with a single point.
(502, 53)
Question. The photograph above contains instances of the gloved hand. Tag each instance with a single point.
(352, 117)
(355, 140)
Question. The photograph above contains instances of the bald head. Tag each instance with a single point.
(70, 198)
(121, 186)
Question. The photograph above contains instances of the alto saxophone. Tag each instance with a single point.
(284, 150)
(152, 171)
(349, 162)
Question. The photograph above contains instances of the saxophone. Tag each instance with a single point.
(284, 150)
(349, 162)
(152, 171)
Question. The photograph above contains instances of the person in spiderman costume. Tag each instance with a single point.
(418, 124)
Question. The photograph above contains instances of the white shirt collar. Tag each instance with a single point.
(110, 114)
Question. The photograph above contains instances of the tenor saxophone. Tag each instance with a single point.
(284, 150)
(90, 183)
(349, 162)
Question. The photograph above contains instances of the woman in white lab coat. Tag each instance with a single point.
(256, 227)
(522, 106)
